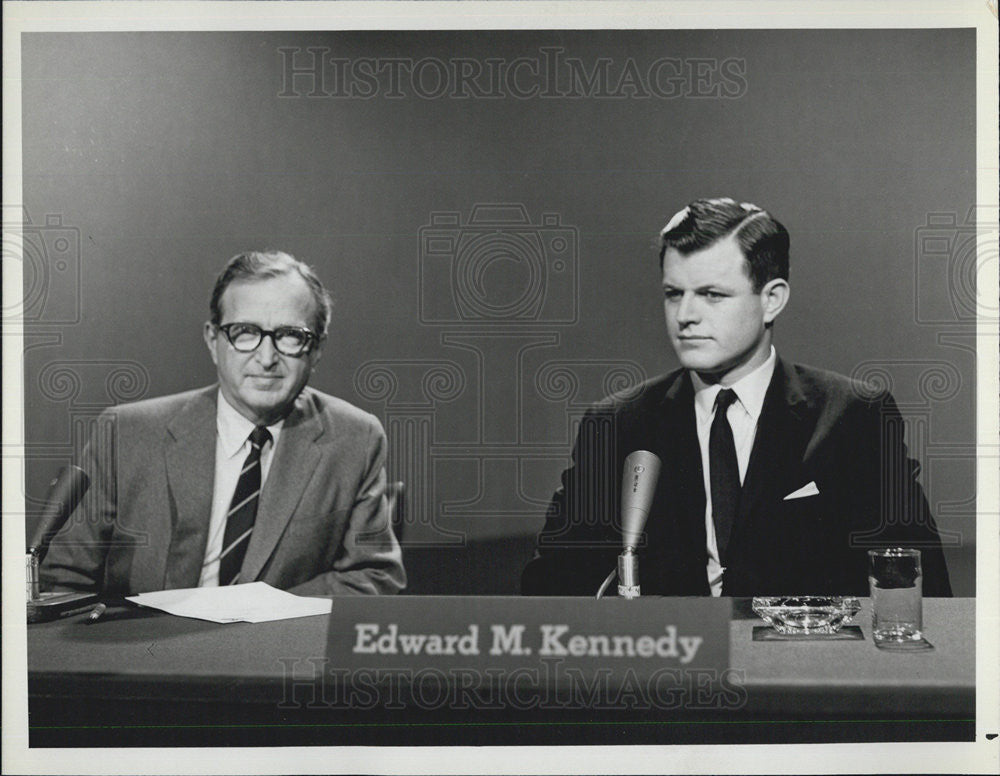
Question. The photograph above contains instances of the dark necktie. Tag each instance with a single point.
(724, 472)
(242, 511)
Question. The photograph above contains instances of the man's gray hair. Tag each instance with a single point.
(259, 265)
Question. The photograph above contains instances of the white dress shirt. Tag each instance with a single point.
(743, 415)
(232, 446)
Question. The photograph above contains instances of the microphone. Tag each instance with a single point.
(65, 493)
(639, 477)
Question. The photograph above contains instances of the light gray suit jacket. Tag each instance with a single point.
(322, 526)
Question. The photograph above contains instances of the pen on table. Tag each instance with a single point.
(96, 613)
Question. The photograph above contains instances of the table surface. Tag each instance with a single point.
(942, 679)
(146, 655)
(158, 645)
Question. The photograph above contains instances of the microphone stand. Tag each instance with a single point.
(627, 573)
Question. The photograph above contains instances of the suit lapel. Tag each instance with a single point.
(296, 459)
(681, 490)
(190, 461)
(783, 431)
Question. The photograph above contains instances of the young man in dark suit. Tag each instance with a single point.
(776, 478)
(257, 477)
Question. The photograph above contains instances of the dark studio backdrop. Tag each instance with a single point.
(484, 208)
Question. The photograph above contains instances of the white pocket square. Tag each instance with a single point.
(805, 490)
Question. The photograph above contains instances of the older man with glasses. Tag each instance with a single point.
(256, 478)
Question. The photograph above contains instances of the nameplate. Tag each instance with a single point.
(533, 652)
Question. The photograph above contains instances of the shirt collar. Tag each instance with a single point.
(234, 429)
(750, 389)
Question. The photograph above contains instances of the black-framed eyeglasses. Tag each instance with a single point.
(288, 340)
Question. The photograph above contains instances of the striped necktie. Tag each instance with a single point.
(724, 472)
(242, 510)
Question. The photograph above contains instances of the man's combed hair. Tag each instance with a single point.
(763, 240)
(259, 265)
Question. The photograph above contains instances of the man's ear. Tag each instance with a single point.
(773, 298)
(211, 334)
(315, 353)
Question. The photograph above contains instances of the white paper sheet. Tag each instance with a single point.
(253, 602)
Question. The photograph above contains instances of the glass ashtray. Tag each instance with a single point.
(806, 614)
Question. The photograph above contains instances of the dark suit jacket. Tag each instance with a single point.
(322, 524)
(814, 426)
